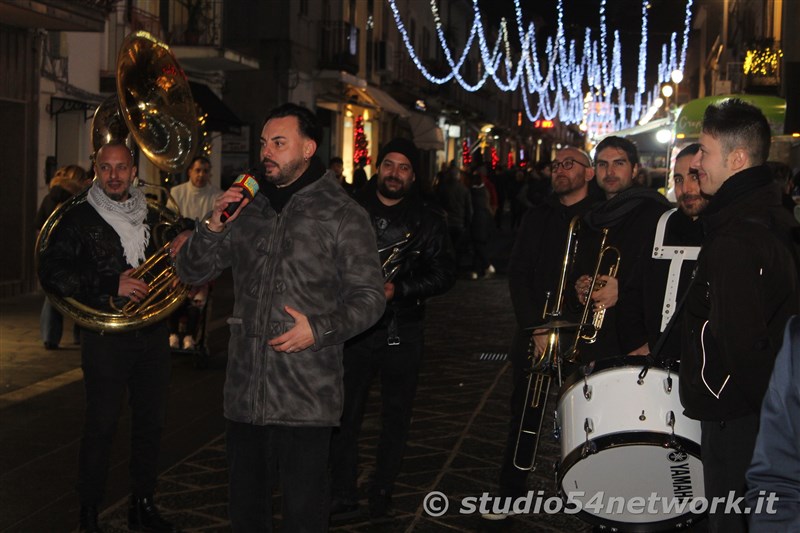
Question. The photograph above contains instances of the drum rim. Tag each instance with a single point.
(625, 439)
(669, 524)
(611, 363)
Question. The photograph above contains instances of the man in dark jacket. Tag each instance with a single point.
(89, 257)
(307, 278)
(660, 280)
(630, 213)
(775, 469)
(744, 291)
(533, 272)
(418, 263)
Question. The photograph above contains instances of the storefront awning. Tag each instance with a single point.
(690, 118)
(427, 135)
(220, 117)
(386, 102)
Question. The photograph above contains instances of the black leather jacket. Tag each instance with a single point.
(425, 264)
(84, 256)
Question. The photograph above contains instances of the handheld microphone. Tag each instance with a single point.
(249, 186)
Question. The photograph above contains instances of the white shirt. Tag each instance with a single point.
(195, 202)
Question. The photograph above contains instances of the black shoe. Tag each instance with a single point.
(343, 511)
(88, 520)
(51, 346)
(143, 516)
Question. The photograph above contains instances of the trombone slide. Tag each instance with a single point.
(530, 424)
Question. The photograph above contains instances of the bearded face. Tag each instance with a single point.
(687, 187)
(395, 176)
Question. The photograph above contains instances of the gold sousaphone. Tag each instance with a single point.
(154, 104)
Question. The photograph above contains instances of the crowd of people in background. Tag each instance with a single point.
(400, 208)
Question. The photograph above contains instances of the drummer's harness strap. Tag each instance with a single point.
(676, 255)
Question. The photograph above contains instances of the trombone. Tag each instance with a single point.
(543, 365)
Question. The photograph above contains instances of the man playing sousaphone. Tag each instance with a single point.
(90, 257)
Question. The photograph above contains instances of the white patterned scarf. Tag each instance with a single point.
(127, 218)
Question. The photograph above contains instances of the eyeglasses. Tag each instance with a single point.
(567, 164)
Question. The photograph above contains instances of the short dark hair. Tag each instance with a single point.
(692, 149)
(306, 120)
(737, 124)
(195, 159)
(619, 143)
(334, 160)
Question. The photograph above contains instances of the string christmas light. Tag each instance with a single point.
(569, 73)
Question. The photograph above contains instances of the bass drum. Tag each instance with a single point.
(629, 457)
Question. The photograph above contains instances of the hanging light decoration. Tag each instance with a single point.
(569, 78)
(466, 154)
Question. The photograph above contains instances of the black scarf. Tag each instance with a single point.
(740, 184)
(613, 211)
(279, 196)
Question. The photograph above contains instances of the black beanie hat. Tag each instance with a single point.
(405, 147)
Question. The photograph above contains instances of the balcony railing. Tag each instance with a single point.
(339, 42)
(195, 22)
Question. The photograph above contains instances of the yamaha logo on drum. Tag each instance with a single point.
(677, 456)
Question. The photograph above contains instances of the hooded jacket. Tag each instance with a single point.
(744, 291)
(316, 255)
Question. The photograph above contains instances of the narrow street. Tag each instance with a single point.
(456, 442)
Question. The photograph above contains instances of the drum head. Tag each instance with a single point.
(634, 486)
(640, 469)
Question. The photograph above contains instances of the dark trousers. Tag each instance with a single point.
(727, 448)
(398, 366)
(480, 258)
(258, 456)
(140, 362)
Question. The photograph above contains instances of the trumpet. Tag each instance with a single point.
(542, 365)
(593, 327)
(399, 253)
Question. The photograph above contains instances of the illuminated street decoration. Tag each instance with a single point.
(762, 62)
(578, 84)
(360, 142)
(466, 155)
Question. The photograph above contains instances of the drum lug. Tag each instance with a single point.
(671, 421)
(673, 442)
(668, 384)
(589, 447)
(587, 391)
(642, 374)
(642, 416)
